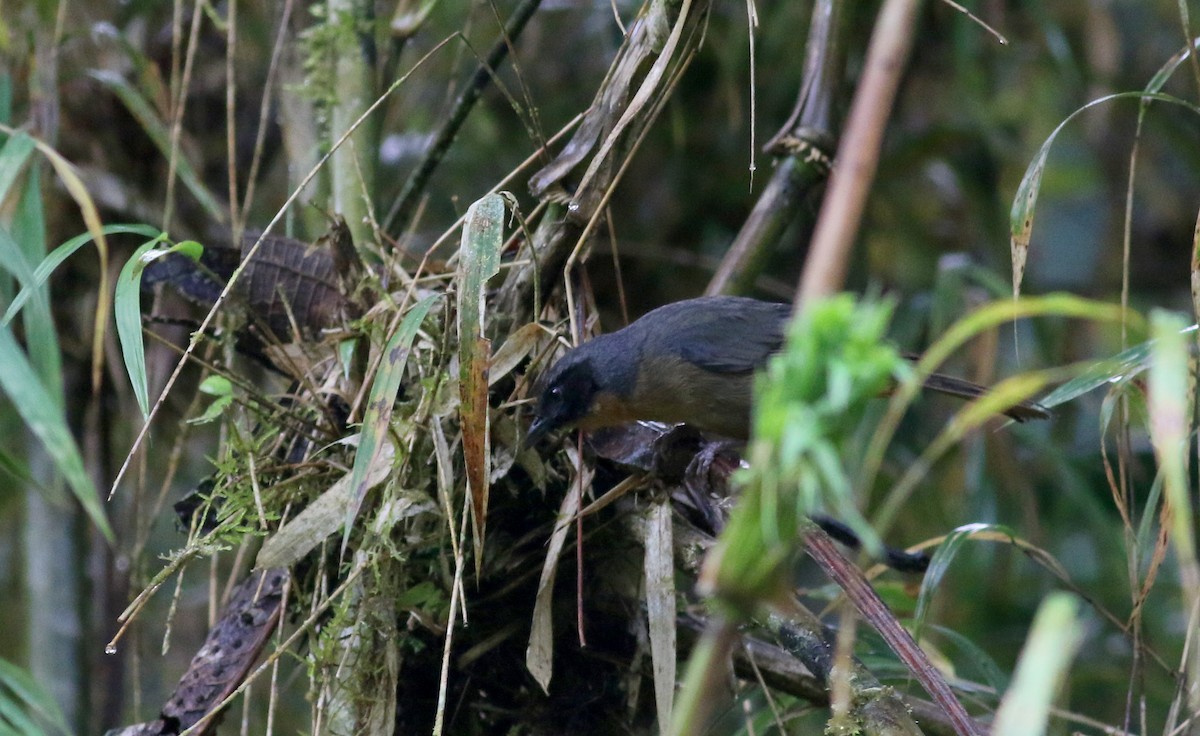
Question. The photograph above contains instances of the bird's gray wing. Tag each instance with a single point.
(731, 335)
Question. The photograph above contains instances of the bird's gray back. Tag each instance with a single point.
(723, 334)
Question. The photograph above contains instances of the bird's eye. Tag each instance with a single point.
(556, 391)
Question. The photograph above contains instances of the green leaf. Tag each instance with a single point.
(213, 412)
(939, 565)
(977, 657)
(42, 273)
(378, 412)
(422, 595)
(345, 352)
(20, 693)
(216, 386)
(32, 215)
(127, 310)
(15, 467)
(5, 98)
(1025, 201)
(813, 397)
(44, 418)
(1121, 367)
(220, 387)
(41, 334)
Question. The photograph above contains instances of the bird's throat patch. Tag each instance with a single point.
(607, 409)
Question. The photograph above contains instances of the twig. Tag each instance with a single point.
(850, 579)
(802, 146)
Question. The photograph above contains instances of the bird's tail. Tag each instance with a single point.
(966, 390)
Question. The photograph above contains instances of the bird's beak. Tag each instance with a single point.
(537, 432)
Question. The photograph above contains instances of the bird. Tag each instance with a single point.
(691, 362)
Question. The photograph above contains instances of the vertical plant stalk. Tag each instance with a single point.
(352, 167)
(858, 155)
(54, 556)
(301, 138)
(264, 110)
(179, 103)
(236, 218)
(802, 147)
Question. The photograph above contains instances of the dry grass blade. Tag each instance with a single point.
(646, 92)
(516, 348)
(539, 657)
(660, 605)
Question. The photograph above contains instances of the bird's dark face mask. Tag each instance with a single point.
(566, 397)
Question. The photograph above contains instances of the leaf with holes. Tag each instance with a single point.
(378, 412)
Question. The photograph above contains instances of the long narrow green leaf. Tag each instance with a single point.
(14, 721)
(28, 693)
(91, 217)
(56, 257)
(1120, 367)
(40, 333)
(15, 467)
(378, 412)
(939, 565)
(1025, 201)
(41, 336)
(995, 677)
(44, 418)
(127, 309)
(5, 99)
